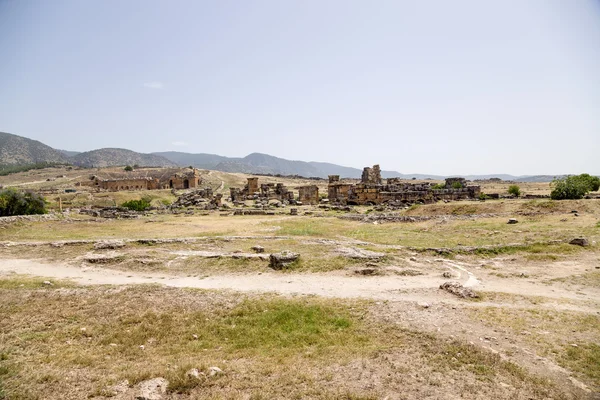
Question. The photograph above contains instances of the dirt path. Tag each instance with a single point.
(340, 285)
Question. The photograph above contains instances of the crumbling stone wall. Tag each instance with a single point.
(183, 180)
(371, 190)
(371, 176)
(114, 185)
(267, 191)
(252, 185)
(308, 194)
(159, 179)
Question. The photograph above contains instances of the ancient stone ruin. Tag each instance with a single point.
(371, 190)
(267, 191)
(203, 198)
(185, 178)
(308, 194)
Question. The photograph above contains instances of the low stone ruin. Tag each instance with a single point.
(110, 212)
(266, 191)
(372, 191)
(203, 198)
(282, 260)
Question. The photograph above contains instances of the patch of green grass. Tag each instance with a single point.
(585, 359)
(535, 250)
(27, 282)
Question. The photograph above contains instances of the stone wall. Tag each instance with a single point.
(308, 194)
(368, 191)
(114, 185)
(268, 191)
(371, 176)
(183, 180)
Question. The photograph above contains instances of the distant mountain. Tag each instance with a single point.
(18, 150)
(68, 153)
(117, 157)
(199, 160)
(259, 163)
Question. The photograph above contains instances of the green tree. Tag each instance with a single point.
(13, 202)
(571, 187)
(128, 168)
(515, 190)
(593, 182)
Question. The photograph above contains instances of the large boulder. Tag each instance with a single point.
(282, 260)
(580, 242)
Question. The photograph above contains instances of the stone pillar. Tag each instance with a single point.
(252, 185)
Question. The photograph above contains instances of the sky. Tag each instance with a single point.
(433, 86)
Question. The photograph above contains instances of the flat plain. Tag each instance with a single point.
(94, 307)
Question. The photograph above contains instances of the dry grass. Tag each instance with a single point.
(569, 338)
(268, 347)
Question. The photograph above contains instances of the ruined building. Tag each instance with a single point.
(267, 191)
(185, 178)
(372, 190)
(308, 194)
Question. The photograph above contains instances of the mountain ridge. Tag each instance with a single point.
(19, 150)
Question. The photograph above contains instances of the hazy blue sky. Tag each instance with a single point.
(431, 86)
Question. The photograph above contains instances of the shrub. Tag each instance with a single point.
(457, 185)
(438, 186)
(515, 190)
(483, 196)
(13, 202)
(574, 186)
(137, 205)
(593, 182)
(128, 168)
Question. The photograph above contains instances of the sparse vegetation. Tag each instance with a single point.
(14, 202)
(514, 190)
(128, 168)
(13, 169)
(137, 205)
(574, 186)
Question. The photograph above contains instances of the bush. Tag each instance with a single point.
(438, 186)
(13, 202)
(593, 182)
(483, 196)
(574, 186)
(137, 205)
(515, 190)
(128, 168)
(457, 185)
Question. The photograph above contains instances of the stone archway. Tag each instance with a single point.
(186, 184)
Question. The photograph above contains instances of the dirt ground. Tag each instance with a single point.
(89, 303)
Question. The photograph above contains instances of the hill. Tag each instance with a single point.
(259, 163)
(118, 157)
(18, 150)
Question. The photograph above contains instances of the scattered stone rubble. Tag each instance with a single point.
(266, 191)
(459, 290)
(111, 212)
(203, 198)
(359, 254)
